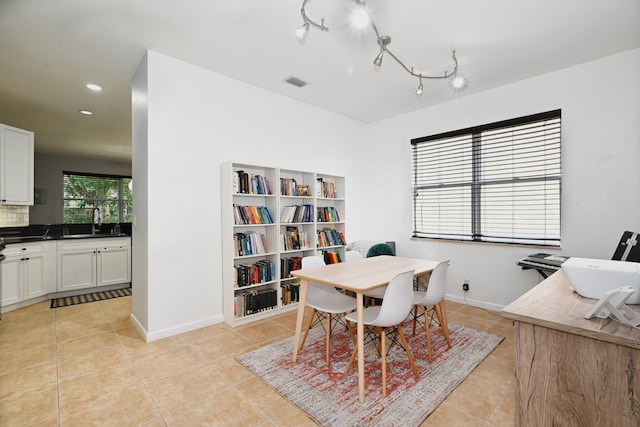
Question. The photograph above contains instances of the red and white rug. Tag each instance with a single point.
(330, 397)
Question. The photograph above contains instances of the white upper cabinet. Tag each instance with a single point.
(16, 166)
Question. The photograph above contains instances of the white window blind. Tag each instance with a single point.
(499, 182)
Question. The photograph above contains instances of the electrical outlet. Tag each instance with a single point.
(465, 286)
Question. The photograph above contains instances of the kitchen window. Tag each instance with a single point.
(83, 192)
(498, 182)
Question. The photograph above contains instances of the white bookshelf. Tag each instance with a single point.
(285, 200)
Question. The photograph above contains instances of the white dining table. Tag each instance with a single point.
(358, 276)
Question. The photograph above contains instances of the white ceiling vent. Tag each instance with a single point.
(296, 81)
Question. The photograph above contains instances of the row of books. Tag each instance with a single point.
(248, 183)
(328, 214)
(260, 272)
(326, 189)
(331, 237)
(297, 213)
(331, 257)
(251, 215)
(249, 302)
(290, 293)
(289, 187)
(287, 265)
(292, 239)
(250, 243)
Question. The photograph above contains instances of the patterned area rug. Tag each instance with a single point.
(331, 398)
(92, 297)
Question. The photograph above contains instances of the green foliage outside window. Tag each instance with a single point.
(111, 194)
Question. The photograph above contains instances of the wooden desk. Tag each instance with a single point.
(571, 371)
(357, 276)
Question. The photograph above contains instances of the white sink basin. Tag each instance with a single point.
(592, 278)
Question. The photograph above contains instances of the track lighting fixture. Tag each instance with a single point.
(303, 30)
(458, 81)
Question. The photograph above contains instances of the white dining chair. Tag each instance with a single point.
(328, 304)
(377, 250)
(391, 314)
(431, 302)
(352, 255)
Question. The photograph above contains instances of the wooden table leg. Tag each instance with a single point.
(302, 302)
(360, 313)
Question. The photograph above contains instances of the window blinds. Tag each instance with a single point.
(499, 182)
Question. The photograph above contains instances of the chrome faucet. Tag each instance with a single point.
(97, 221)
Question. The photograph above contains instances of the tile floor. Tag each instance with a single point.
(86, 365)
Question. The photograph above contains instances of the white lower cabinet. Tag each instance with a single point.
(93, 262)
(28, 271)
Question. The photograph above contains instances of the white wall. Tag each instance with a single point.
(188, 121)
(600, 104)
(198, 120)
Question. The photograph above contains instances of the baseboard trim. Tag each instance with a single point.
(176, 330)
(474, 302)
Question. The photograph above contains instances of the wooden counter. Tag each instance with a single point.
(571, 371)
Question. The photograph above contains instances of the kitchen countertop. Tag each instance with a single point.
(29, 239)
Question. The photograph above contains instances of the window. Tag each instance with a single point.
(84, 192)
(494, 183)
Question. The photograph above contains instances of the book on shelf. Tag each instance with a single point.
(248, 302)
(328, 214)
(248, 183)
(243, 215)
(293, 239)
(326, 189)
(330, 237)
(297, 213)
(288, 187)
(287, 265)
(331, 257)
(290, 292)
(253, 274)
(250, 243)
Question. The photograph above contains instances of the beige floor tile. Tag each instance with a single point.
(265, 330)
(80, 391)
(88, 365)
(262, 396)
(136, 347)
(504, 414)
(89, 344)
(92, 362)
(179, 389)
(32, 378)
(228, 344)
(131, 407)
(36, 354)
(232, 370)
(206, 333)
(168, 363)
(448, 415)
(226, 407)
(31, 408)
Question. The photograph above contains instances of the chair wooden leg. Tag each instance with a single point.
(383, 348)
(442, 318)
(408, 350)
(426, 327)
(306, 332)
(353, 358)
(415, 315)
(328, 343)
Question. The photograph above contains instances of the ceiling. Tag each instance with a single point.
(50, 50)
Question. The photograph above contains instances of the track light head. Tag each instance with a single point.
(302, 32)
(378, 61)
(420, 87)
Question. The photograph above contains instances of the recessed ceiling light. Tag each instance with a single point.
(86, 112)
(94, 87)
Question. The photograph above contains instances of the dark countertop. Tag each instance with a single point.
(44, 232)
(30, 239)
